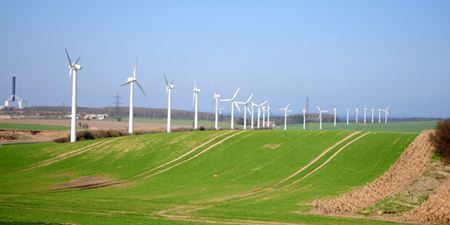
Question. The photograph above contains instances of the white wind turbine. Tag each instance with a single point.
(379, 115)
(268, 115)
(386, 113)
(195, 93)
(247, 104)
(263, 116)
(356, 116)
(373, 112)
(132, 80)
(216, 103)
(320, 116)
(73, 68)
(233, 104)
(335, 112)
(365, 113)
(348, 116)
(169, 87)
(259, 112)
(286, 111)
(304, 119)
(252, 105)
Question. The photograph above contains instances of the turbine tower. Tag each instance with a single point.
(195, 92)
(169, 87)
(379, 115)
(356, 116)
(263, 116)
(73, 69)
(132, 80)
(252, 105)
(246, 104)
(320, 116)
(304, 119)
(259, 112)
(233, 104)
(373, 112)
(268, 115)
(386, 113)
(216, 103)
(348, 116)
(365, 113)
(335, 112)
(285, 110)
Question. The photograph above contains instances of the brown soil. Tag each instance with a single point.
(86, 182)
(272, 146)
(405, 171)
(96, 124)
(436, 210)
(23, 136)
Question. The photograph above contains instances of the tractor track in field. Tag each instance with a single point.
(66, 155)
(184, 212)
(145, 173)
(157, 170)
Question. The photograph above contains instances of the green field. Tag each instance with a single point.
(13, 126)
(221, 177)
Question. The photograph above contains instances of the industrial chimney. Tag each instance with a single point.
(13, 93)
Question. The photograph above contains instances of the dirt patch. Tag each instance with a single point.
(411, 164)
(18, 136)
(271, 146)
(434, 211)
(86, 182)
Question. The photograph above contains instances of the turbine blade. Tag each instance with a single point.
(68, 57)
(125, 83)
(167, 82)
(237, 106)
(235, 93)
(70, 73)
(249, 98)
(140, 87)
(77, 60)
(134, 69)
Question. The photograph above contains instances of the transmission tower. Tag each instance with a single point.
(117, 104)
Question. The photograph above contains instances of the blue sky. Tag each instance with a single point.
(339, 53)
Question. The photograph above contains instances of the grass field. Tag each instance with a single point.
(225, 177)
(40, 127)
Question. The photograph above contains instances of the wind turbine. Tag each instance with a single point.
(216, 101)
(335, 112)
(386, 113)
(348, 116)
(365, 111)
(304, 119)
(373, 112)
(286, 110)
(195, 92)
(246, 104)
(356, 117)
(252, 105)
(379, 115)
(73, 68)
(263, 116)
(169, 87)
(259, 112)
(233, 104)
(131, 81)
(268, 115)
(320, 116)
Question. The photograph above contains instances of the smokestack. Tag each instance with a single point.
(13, 93)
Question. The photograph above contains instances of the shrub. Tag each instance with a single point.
(441, 140)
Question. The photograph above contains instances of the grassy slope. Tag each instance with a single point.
(241, 164)
(12, 126)
(414, 127)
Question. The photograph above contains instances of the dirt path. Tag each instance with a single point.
(406, 169)
(183, 155)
